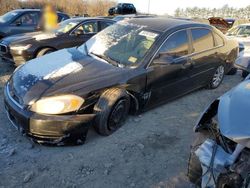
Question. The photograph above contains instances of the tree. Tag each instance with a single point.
(71, 7)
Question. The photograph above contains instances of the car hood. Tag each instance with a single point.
(63, 72)
(233, 114)
(22, 38)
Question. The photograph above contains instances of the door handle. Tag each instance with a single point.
(188, 64)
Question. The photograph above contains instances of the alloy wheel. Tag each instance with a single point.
(218, 76)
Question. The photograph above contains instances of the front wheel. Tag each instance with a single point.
(44, 51)
(217, 77)
(111, 111)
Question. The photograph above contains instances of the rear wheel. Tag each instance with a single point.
(217, 77)
(44, 51)
(111, 111)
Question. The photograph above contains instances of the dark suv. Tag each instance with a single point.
(22, 21)
(123, 8)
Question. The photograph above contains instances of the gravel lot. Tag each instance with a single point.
(150, 150)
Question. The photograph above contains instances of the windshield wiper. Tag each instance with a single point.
(106, 58)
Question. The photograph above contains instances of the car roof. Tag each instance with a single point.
(35, 10)
(80, 19)
(26, 9)
(125, 3)
(164, 24)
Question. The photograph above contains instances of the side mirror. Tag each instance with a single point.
(162, 59)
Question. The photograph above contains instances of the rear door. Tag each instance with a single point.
(168, 74)
(205, 56)
(26, 22)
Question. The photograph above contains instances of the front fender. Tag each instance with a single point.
(206, 116)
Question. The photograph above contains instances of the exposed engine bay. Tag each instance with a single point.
(224, 163)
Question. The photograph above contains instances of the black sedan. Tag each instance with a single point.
(72, 32)
(129, 67)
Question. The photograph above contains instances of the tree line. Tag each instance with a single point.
(71, 7)
(225, 12)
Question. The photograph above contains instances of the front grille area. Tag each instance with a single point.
(3, 49)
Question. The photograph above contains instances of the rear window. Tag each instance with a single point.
(202, 39)
(218, 40)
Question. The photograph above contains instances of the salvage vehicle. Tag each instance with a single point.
(220, 153)
(220, 24)
(129, 67)
(73, 32)
(23, 21)
(241, 33)
(224, 24)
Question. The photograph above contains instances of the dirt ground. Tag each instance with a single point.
(150, 150)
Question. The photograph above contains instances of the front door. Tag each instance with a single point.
(168, 74)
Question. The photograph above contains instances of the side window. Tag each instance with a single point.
(59, 18)
(202, 39)
(103, 24)
(28, 19)
(218, 40)
(90, 27)
(176, 45)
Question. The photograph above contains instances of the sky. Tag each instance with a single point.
(168, 6)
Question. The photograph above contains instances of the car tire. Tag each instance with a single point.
(44, 51)
(233, 71)
(194, 173)
(217, 77)
(244, 74)
(111, 111)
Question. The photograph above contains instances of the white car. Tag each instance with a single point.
(241, 33)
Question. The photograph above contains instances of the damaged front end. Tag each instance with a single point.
(45, 128)
(223, 156)
(219, 167)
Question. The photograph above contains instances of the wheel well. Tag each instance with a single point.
(134, 105)
(43, 47)
(209, 113)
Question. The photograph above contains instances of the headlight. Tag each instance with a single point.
(20, 48)
(58, 104)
